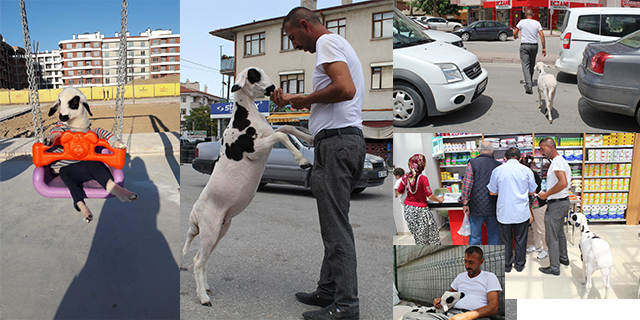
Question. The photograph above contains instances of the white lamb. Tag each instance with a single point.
(546, 87)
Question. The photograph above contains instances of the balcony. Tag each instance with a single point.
(226, 65)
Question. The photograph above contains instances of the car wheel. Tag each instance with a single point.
(358, 190)
(456, 28)
(465, 36)
(638, 114)
(502, 36)
(408, 106)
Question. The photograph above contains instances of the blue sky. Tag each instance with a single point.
(199, 17)
(51, 20)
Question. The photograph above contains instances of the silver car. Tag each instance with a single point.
(609, 76)
(282, 169)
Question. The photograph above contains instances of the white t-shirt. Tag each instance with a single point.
(558, 164)
(529, 29)
(475, 289)
(334, 48)
(402, 196)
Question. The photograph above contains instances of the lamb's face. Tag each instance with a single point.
(74, 108)
(254, 82)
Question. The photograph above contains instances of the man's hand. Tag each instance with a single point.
(465, 209)
(281, 99)
(544, 52)
(461, 316)
(436, 303)
(543, 195)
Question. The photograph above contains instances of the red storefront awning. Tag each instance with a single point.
(538, 4)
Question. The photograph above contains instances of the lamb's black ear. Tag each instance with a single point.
(582, 229)
(253, 75)
(86, 106)
(74, 103)
(54, 108)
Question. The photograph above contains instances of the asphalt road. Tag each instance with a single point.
(123, 265)
(274, 249)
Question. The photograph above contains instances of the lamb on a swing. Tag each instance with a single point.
(73, 117)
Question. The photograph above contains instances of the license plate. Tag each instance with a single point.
(482, 85)
(383, 173)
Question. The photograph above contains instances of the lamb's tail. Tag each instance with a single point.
(194, 230)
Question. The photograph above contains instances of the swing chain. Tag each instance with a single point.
(34, 98)
(118, 125)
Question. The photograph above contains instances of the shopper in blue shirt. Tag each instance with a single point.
(513, 183)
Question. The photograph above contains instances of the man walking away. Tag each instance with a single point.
(530, 30)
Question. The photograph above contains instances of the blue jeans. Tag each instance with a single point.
(493, 233)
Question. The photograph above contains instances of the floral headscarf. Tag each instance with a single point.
(417, 164)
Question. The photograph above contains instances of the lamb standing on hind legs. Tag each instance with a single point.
(546, 88)
(245, 148)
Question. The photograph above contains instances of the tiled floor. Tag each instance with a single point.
(532, 284)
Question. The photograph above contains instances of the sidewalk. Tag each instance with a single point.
(137, 144)
(514, 57)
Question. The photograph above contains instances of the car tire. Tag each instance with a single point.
(456, 28)
(465, 36)
(358, 190)
(408, 106)
(502, 36)
(638, 114)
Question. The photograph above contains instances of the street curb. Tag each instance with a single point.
(13, 113)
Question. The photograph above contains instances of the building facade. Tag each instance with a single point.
(49, 69)
(366, 25)
(92, 59)
(191, 97)
(13, 67)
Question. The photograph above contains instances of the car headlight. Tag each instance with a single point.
(368, 165)
(451, 72)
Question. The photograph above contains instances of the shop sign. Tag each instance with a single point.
(561, 5)
(503, 4)
(630, 3)
(225, 108)
(468, 3)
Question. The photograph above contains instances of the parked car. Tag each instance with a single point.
(609, 76)
(485, 30)
(442, 24)
(282, 169)
(420, 21)
(430, 77)
(441, 36)
(582, 26)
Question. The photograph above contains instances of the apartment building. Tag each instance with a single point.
(49, 73)
(92, 59)
(13, 70)
(366, 25)
(191, 97)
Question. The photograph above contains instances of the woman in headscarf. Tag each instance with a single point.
(416, 212)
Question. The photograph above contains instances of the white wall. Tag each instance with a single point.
(406, 145)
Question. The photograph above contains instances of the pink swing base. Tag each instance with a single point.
(50, 185)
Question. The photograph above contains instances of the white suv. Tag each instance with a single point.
(430, 77)
(582, 26)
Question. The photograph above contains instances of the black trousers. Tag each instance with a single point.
(337, 167)
(74, 175)
(519, 232)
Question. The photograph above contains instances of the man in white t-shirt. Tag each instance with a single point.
(530, 29)
(481, 290)
(336, 125)
(557, 196)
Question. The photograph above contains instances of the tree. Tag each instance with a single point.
(436, 7)
(200, 119)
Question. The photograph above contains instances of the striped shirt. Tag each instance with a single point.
(61, 127)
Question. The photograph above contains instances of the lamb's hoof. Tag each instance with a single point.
(132, 197)
(208, 291)
(305, 166)
(184, 269)
(208, 304)
(88, 219)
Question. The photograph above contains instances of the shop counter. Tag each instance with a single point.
(456, 216)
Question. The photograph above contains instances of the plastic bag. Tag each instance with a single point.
(465, 229)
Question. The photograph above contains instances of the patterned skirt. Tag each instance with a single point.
(422, 225)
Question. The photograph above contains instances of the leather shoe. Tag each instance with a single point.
(313, 299)
(519, 269)
(548, 270)
(507, 268)
(331, 312)
(564, 262)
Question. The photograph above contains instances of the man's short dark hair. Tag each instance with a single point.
(548, 141)
(398, 171)
(298, 13)
(528, 12)
(512, 153)
(474, 249)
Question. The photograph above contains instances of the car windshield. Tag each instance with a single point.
(632, 40)
(405, 32)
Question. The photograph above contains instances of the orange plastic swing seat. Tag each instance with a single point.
(76, 146)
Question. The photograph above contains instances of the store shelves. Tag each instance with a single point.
(603, 191)
(466, 136)
(607, 177)
(605, 162)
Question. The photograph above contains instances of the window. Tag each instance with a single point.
(96, 62)
(142, 70)
(338, 26)
(172, 59)
(96, 71)
(69, 45)
(106, 72)
(254, 44)
(88, 80)
(155, 69)
(172, 50)
(155, 51)
(292, 83)
(96, 53)
(71, 82)
(155, 76)
(172, 68)
(382, 77)
(383, 25)
(80, 63)
(155, 42)
(96, 44)
(173, 40)
(184, 100)
(69, 55)
(107, 80)
(70, 73)
(155, 60)
(143, 61)
(87, 45)
(285, 43)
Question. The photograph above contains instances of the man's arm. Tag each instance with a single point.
(562, 183)
(542, 41)
(467, 184)
(340, 89)
(493, 184)
(515, 33)
(486, 311)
